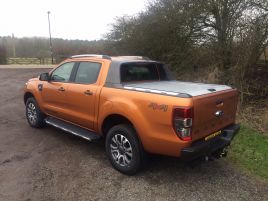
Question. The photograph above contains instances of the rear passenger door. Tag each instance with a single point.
(82, 94)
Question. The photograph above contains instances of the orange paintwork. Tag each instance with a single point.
(154, 127)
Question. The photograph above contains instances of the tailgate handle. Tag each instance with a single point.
(219, 102)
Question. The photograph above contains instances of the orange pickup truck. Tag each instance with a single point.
(136, 105)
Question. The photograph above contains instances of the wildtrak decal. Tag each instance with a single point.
(156, 106)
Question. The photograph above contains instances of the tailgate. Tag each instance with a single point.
(213, 112)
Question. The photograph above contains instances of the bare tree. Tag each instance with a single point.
(193, 34)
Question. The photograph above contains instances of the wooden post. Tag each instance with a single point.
(13, 46)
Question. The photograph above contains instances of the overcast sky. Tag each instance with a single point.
(70, 19)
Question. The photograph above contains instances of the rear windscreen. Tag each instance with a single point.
(132, 72)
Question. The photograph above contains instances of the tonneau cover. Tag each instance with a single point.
(176, 87)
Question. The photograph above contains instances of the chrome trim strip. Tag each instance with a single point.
(152, 91)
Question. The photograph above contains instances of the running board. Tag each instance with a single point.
(73, 129)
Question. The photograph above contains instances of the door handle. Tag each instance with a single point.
(61, 89)
(88, 92)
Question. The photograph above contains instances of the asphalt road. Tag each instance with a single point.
(49, 164)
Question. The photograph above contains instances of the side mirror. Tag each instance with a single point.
(44, 77)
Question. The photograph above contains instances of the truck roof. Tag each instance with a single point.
(116, 61)
(113, 58)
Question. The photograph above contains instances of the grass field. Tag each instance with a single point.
(249, 151)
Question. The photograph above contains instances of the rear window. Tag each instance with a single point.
(133, 72)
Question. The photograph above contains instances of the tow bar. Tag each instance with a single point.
(217, 154)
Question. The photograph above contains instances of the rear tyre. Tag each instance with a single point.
(124, 149)
(34, 115)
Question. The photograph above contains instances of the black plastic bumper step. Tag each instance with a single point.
(73, 129)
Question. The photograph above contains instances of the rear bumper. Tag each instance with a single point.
(203, 148)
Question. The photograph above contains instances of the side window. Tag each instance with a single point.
(87, 72)
(62, 73)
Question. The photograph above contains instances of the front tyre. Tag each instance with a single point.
(124, 149)
(34, 115)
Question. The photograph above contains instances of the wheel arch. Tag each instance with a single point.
(113, 120)
(27, 95)
(116, 119)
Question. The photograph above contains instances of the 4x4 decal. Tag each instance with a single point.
(156, 106)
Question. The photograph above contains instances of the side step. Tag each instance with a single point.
(73, 129)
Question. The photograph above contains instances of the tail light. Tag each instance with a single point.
(182, 122)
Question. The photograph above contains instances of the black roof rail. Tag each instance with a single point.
(91, 55)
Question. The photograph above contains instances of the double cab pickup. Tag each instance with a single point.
(136, 106)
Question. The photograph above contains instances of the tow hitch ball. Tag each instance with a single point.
(217, 154)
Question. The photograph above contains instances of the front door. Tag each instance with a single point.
(54, 92)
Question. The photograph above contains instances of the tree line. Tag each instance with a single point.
(39, 47)
(223, 36)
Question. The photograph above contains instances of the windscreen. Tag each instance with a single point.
(141, 71)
